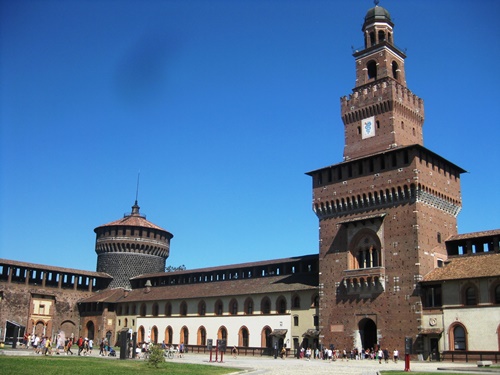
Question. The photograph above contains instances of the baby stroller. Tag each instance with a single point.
(112, 352)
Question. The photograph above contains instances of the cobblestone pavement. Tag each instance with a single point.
(293, 366)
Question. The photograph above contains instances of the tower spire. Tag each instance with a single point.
(135, 207)
(137, 188)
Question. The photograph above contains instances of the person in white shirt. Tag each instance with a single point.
(395, 355)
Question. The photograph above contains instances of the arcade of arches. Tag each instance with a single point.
(201, 336)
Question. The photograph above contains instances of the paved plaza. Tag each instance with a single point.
(292, 366)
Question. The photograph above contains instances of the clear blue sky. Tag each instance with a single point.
(222, 106)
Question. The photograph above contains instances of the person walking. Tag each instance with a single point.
(69, 345)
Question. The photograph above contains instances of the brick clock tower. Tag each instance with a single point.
(386, 210)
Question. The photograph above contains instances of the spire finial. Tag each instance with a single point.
(135, 207)
(376, 2)
(137, 189)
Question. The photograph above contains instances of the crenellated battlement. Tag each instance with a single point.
(379, 92)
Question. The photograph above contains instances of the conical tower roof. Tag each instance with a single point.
(133, 219)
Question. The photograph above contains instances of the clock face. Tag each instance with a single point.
(368, 127)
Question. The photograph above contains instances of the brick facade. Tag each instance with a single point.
(386, 210)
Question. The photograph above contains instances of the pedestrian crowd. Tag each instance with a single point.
(45, 345)
(332, 354)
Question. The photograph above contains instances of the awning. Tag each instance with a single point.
(279, 332)
(311, 333)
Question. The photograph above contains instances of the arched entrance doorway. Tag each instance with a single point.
(39, 328)
(69, 328)
(368, 333)
(90, 330)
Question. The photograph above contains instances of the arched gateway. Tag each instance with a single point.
(367, 337)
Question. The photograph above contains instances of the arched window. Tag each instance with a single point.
(243, 337)
(119, 310)
(233, 307)
(125, 322)
(222, 333)
(168, 309)
(183, 308)
(219, 307)
(296, 302)
(281, 305)
(154, 335)
(395, 70)
(315, 301)
(249, 306)
(134, 309)
(368, 257)
(184, 339)
(266, 340)
(365, 249)
(140, 334)
(381, 36)
(155, 309)
(169, 334)
(470, 296)
(126, 309)
(372, 38)
(143, 309)
(202, 308)
(265, 306)
(459, 339)
(372, 69)
(202, 336)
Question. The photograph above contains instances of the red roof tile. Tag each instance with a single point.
(258, 285)
(467, 267)
(106, 295)
(466, 236)
(134, 219)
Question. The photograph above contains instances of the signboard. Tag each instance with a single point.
(222, 345)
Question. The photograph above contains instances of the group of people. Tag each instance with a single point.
(62, 345)
(332, 354)
(142, 349)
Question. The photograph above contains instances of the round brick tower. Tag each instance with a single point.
(130, 247)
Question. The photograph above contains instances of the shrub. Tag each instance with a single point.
(155, 356)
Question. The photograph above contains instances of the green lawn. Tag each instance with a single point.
(37, 365)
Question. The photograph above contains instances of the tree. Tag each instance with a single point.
(182, 267)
